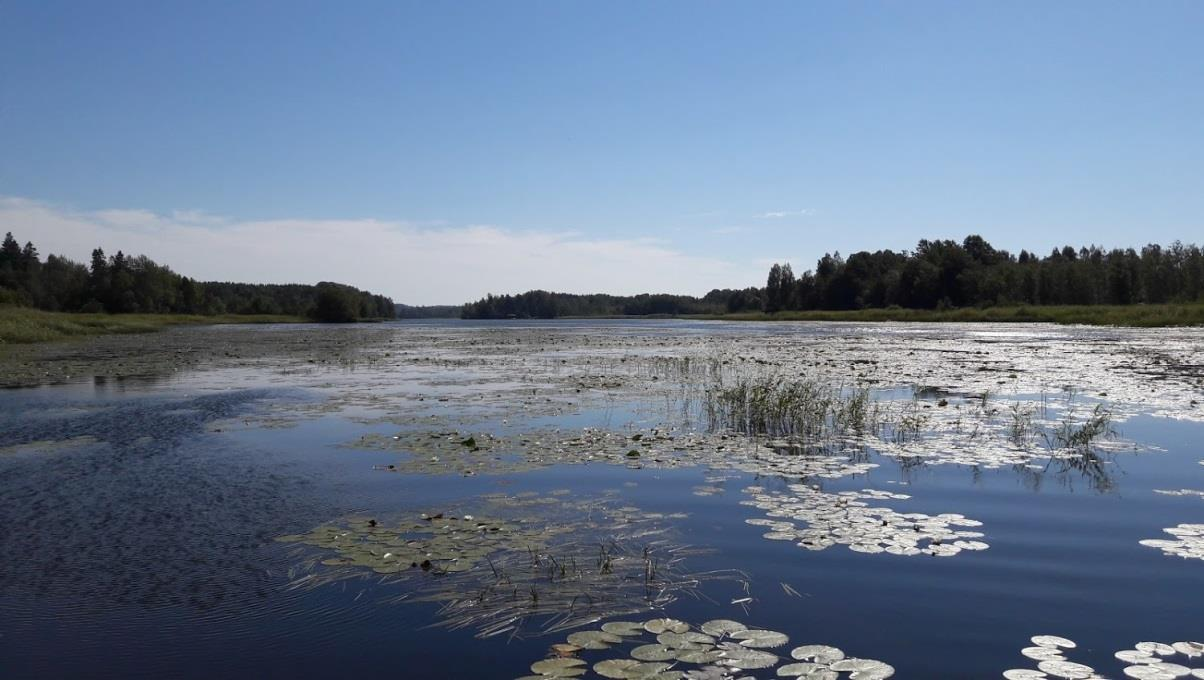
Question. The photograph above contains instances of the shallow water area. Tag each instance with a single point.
(450, 499)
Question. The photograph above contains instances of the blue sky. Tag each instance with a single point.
(635, 146)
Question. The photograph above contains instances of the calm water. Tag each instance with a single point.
(139, 518)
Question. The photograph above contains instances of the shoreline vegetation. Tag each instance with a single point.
(1137, 315)
(938, 280)
(22, 325)
(122, 284)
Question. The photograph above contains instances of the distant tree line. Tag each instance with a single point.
(937, 274)
(540, 304)
(945, 274)
(428, 311)
(124, 284)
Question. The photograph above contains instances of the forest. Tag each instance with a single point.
(135, 284)
(946, 274)
(540, 304)
(938, 274)
(427, 311)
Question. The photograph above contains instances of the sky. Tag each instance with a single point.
(435, 152)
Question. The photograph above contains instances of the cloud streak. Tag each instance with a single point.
(413, 264)
(778, 214)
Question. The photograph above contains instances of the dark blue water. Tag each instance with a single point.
(145, 548)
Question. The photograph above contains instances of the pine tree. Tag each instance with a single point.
(29, 257)
(10, 252)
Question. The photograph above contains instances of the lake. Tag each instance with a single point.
(615, 498)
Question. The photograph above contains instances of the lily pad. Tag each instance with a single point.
(1053, 641)
(658, 626)
(657, 652)
(760, 639)
(624, 628)
(615, 668)
(822, 654)
(722, 627)
(559, 668)
(593, 639)
(739, 656)
(1066, 669)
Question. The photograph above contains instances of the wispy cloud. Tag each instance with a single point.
(418, 264)
(778, 214)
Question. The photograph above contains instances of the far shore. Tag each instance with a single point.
(20, 326)
(1186, 314)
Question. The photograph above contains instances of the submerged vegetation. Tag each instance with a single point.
(561, 565)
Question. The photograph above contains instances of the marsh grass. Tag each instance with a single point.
(800, 410)
(1081, 436)
(20, 325)
(1021, 427)
(1186, 314)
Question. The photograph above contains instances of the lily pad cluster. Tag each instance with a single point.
(1189, 541)
(1159, 660)
(1048, 655)
(1180, 492)
(1146, 661)
(669, 649)
(456, 452)
(431, 543)
(846, 519)
(600, 572)
(567, 562)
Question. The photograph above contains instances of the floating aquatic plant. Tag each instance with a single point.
(722, 649)
(1147, 660)
(1189, 543)
(573, 584)
(571, 566)
(440, 543)
(845, 519)
(1180, 492)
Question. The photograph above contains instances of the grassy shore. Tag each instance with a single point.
(1093, 315)
(19, 325)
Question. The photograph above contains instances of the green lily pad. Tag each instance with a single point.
(593, 639)
(761, 639)
(615, 668)
(658, 626)
(722, 627)
(559, 667)
(624, 628)
(657, 652)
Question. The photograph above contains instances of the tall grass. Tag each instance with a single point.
(796, 408)
(20, 325)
